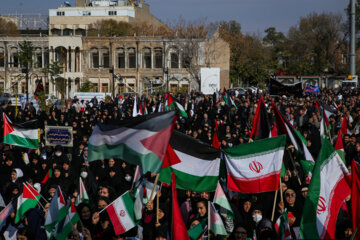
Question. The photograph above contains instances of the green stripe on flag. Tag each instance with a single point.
(257, 148)
(22, 142)
(189, 182)
(149, 162)
(129, 205)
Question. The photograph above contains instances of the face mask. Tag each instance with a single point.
(128, 178)
(257, 217)
(58, 154)
(83, 174)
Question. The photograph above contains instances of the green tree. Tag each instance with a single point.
(54, 70)
(26, 54)
(87, 86)
(315, 44)
(274, 41)
(249, 59)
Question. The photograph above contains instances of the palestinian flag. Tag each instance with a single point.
(47, 176)
(66, 226)
(57, 211)
(324, 123)
(39, 89)
(139, 141)
(27, 200)
(339, 147)
(215, 141)
(198, 230)
(344, 126)
(221, 200)
(297, 140)
(255, 167)
(261, 127)
(4, 214)
(216, 225)
(22, 137)
(327, 192)
(121, 214)
(227, 99)
(171, 102)
(282, 227)
(83, 196)
(199, 165)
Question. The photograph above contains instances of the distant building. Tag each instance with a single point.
(139, 63)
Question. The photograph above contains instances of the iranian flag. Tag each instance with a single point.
(4, 214)
(216, 225)
(255, 167)
(139, 141)
(327, 191)
(282, 227)
(27, 200)
(83, 196)
(66, 226)
(221, 200)
(57, 211)
(198, 167)
(121, 213)
(18, 136)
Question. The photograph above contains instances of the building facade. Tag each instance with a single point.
(112, 64)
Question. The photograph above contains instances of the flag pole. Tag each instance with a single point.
(209, 220)
(157, 205)
(281, 192)
(293, 163)
(154, 187)
(274, 205)
(354, 233)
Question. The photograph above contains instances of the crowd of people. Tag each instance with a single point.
(106, 179)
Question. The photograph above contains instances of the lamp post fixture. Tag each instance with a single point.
(167, 79)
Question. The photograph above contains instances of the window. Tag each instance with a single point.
(147, 58)
(174, 60)
(186, 61)
(95, 87)
(95, 60)
(2, 86)
(106, 59)
(112, 13)
(158, 58)
(173, 88)
(38, 60)
(15, 60)
(105, 87)
(2, 58)
(132, 58)
(121, 59)
(60, 13)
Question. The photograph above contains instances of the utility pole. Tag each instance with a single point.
(352, 38)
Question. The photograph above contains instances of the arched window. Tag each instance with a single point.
(132, 57)
(174, 60)
(94, 58)
(121, 58)
(158, 58)
(147, 58)
(2, 57)
(105, 57)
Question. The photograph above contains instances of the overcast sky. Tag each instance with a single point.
(253, 15)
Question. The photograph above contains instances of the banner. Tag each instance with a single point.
(309, 89)
(55, 135)
(277, 88)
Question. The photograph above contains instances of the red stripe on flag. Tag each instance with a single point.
(338, 195)
(118, 227)
(264, 184)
